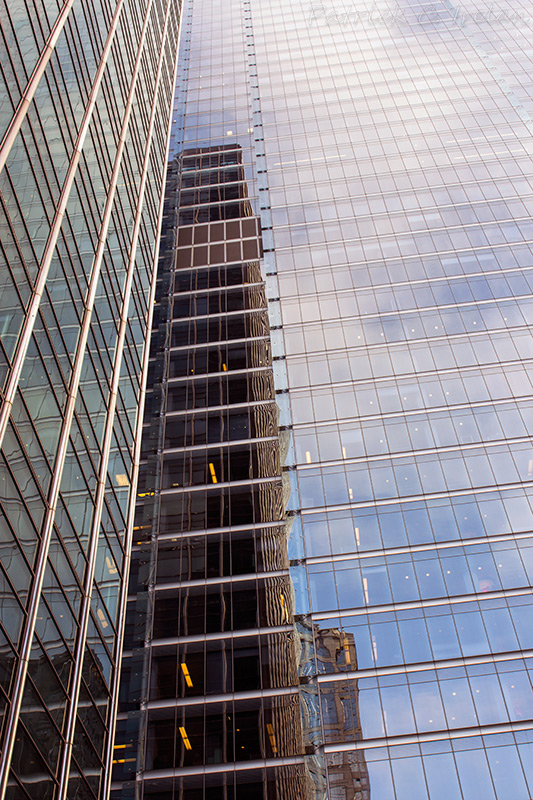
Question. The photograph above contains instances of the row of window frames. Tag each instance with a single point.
(212, 177)
(243, 784)
(217, 507)
(392, 300)
(377, 329)
(252, 390)
(219, 252)
(206, 609)
(245, 228)
(398, 435)
(211, 158)
(196, 468)
(221, 426)
(216, 667)
(476, 385)
(221, 390)
(424, 638)
(423, 356)
(226, 736)
(217, 277)
(249, 325)
(215, 212)
(220, 358)
(355, 584)
(213, 556)
(213, 194)
(221, 507)
(223, 301)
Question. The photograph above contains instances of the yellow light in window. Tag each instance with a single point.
(344, 452)
(111, 566)
(229, 133)
(347, 656)
(122, 479)
(224, 367)
(101, 616)
(284, 609)
(186, 675)
(350, 492)
(271, 736)
(365, 589)
(213, 473)
(186, 742)
(308, 456)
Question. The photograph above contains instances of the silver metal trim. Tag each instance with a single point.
(31, 87)
(70, 723)
(203, 375)
(53, 494)
(220, 485)
(402, 669)
(214, 289)
(174, 537)
(225, 406)
(196, 345)
(128, 546)
(229, 443)
(214, 637)
(428, 451)
(417, 548)
(40, 282)
(218, 314)
(379, 502)
(427, 603)
(249, 576)
(415, 738)
(228, 697)
(417, 412)
(240, 766)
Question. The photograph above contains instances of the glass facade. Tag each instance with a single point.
(210, 685)
(386, 152)
(87, 90)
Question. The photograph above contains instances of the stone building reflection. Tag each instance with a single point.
(332, 712)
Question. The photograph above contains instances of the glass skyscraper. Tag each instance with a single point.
(385, 151)
(87, 89)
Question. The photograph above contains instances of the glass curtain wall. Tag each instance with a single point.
(86, 90)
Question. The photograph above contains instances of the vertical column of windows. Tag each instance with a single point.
(218, 562)
(66, 345)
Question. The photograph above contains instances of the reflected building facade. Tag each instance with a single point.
(87, 90)
(385, 155)
(210, 686)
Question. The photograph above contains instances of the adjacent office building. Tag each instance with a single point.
(340, 391)
(87, 90)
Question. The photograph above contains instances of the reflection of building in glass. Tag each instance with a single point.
(339, 715)
(84, 122)
(210, 683)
